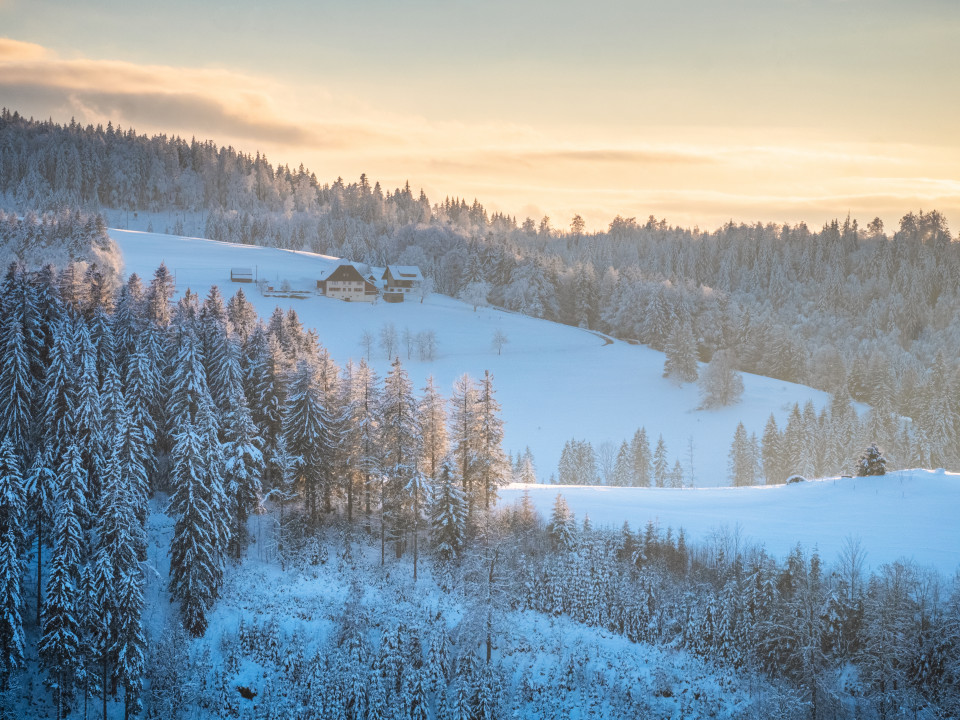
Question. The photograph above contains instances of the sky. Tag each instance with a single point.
(696, 111)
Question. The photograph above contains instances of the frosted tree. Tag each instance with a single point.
(562, 529)
(433, 429)
(243, 466)
(159, 295)
(526, 469)
(660, 466)
(306, 427)
(60, 642)
(676, 475)
(499, 340)
(59, 391)
(448, 517)
(360, 439)
(640, 454)
(771, 453)
(743, 460)
(492, 467)
(680, 363)
(12, 565)
(15, 383)
(400, 443)
(720, 383)
(623, 467)
(118, 577)
(872, 462)
(464, 432)
(242, 316)
(197, 551)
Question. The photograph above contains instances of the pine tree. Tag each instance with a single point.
(15, 384)
(562, 529)
(640, 454)
(448, 517)
(464, 433)
(742, 460)
(623, 467)
(12, 566)
(242, 316)
(400, 443)
(492, 468)
(59, 391)
(60, 643)
(660, 467)
(306, 431)
(681, 354)
(872, 462)
(197, 550)
(771, 453)
(159, 296)
(676, 475)
(433, 426)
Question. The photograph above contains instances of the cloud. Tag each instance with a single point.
(212, 102)
(17, 50)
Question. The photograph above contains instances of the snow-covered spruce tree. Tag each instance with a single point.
(623, 467)
(159, 296)
(41, 482)
(743, 462)
(118, 576)
(198, 503)
(13, 516)
(141, 391)
(660, 466)
(306, 429)
(59, 390)
(464, 433)
(562, 529)
(448, 517)
(872, 462)
(242, 316)
(88, 418)
(197, 551)
(361, 432)
(771, 453)
(264, 384)
(492, 467)
(60, 643)
(400, 443)
(720, 383)
(640, 453)
(243, 459)
(15, 383)
(676, 475)
(680, 362)
(129, 319)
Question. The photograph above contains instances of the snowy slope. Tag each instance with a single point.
(555, 382)
(911, 513)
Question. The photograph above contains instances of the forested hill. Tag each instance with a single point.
(853, 310)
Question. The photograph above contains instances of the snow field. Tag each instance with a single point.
(554, 382)
(906, 514)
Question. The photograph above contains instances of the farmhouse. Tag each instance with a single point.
(400, 280)
(346, 283)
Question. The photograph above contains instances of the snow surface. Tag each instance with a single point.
(554, 382)
(911, 514)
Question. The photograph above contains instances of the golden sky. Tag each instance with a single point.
(693, 110)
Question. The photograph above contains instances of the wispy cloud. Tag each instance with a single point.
(214, 102)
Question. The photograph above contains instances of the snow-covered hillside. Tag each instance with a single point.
(911, 513)
(555, 382)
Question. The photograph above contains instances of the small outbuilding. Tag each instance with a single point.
(241, 274)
